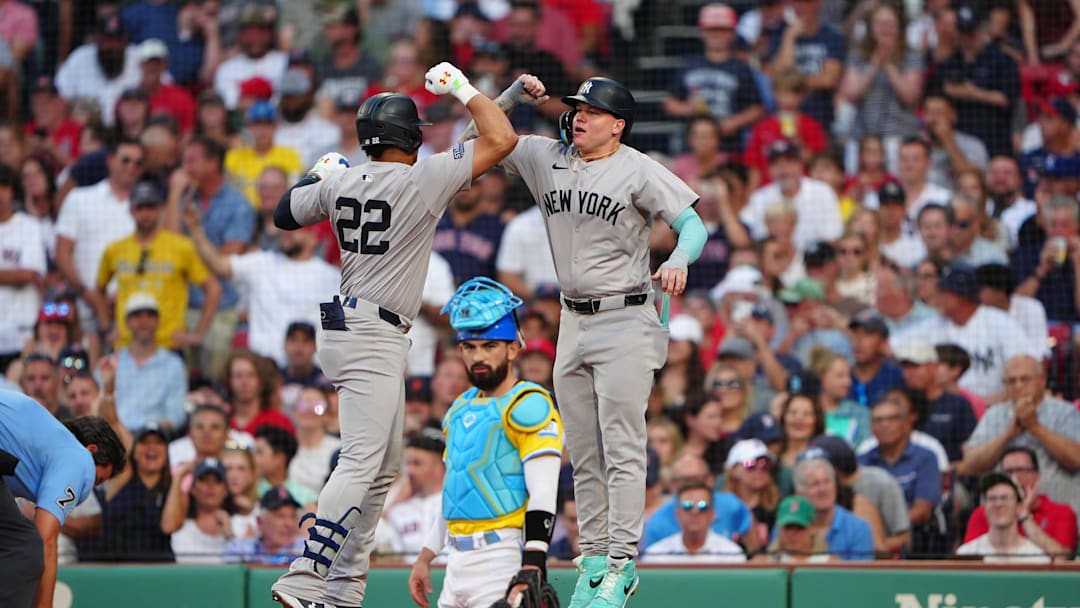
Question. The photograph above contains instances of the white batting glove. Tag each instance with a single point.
(329, 164)
(446, 78)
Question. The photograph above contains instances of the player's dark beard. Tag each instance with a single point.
(489, 378)
(293, 251)
(111, 62)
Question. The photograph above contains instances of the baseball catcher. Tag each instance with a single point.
(503, 447)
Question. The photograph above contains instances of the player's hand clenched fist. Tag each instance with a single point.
(445, 78)
(329, 164)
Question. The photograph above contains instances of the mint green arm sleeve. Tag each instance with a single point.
(692, 237)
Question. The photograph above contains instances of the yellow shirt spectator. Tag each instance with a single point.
(163, 269)
(244, 165)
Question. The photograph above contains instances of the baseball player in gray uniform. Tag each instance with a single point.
(598, 198)
(384, 212)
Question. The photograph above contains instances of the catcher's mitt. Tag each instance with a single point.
(538, 594)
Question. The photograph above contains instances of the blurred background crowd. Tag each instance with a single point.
(876, 357)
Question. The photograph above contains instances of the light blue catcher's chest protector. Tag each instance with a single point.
(485, 478)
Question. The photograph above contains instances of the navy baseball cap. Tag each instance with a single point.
(782, 148)
(1060, 107)
(835, 450)
(210, 466)
(147, 193)
(1058, 166)
(804, 383)
(262, 111)
(869, 320)
(819, 254)
(418, 388)
(967, 18)
(962, 282)
(300, 326)
(277, 497)
(890, 192)
(761, 426)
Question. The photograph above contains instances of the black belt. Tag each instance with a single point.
(386, 315)
(592, 306)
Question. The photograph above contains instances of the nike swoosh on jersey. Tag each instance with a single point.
(556, 166)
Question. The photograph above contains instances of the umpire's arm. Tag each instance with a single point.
(49, 528)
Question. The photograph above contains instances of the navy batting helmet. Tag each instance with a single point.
(389, 119)
(606, 94)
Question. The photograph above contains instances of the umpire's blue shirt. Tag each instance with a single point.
(55, 470)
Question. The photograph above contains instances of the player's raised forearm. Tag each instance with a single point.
(497, 137)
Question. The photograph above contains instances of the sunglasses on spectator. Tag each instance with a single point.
(851, 251)
(758, 463)
(131, 160)
(734, 384)
(962, 224)
(700, 506)
(56, 311)
(74, 362)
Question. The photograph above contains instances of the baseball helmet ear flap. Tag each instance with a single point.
(566, 126)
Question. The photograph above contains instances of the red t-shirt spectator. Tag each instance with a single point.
(176, 102)
(808, 133)
(64, 138)
(1055, 518)
(268, 416)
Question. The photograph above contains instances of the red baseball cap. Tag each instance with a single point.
(540, 345)
(259, 88)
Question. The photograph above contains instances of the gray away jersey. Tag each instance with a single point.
(384, 215)
(598, 213)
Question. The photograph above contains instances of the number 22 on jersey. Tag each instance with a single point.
(378, 221)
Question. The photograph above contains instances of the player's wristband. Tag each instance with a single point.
(678, 259)
(534, 558)
(464, 92)
(511, 97)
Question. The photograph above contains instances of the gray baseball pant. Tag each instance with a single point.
(367, 365)
(604, 370)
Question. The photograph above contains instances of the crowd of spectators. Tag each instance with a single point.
(877, 356)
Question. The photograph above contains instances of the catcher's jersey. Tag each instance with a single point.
(384, 215)
(598, 213)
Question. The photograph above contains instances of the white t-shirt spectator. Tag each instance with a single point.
(1014, 216)
(907, 251)
(311, 466)
(93, 217)
(20, 249)
(193, 546)
(81, 76)
(412, 520)
(990, 337)
(526, 250)
(1026, 552)
(311, 137)
(438, 289)
(816, 204)
(279, 291)
(232, 72)
(672, 550)
(1030, 315)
